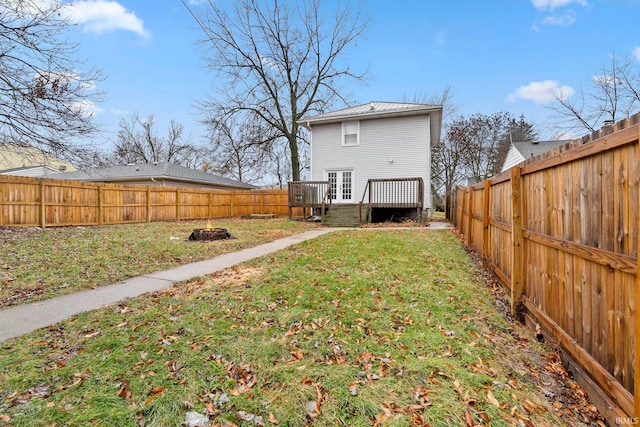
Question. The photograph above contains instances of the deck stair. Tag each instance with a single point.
(342, 215)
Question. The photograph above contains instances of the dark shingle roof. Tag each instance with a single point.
(531, 149)
(146, 171)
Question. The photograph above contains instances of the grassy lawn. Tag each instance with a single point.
(355, 328)
(38, 264)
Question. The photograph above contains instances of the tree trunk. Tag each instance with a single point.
(295, 161)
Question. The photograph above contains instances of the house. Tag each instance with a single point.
(157, 174)
(379, 144)
(25, 160)
(523, 150)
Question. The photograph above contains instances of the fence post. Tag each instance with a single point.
(470, 216)
(100, 204)
(517, 242)
(149, 203)
(636, 383)
(636, 387)
(177, 203)
(486, 219)
(209, 204)
(231, 205)
(1, 201)
(43, 206)
(463, 204)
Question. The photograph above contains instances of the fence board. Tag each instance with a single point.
(563, 236)
(27, 202)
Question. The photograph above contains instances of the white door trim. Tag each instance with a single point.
(342, 182)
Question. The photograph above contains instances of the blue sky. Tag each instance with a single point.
(497, 55)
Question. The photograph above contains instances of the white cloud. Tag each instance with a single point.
(88, 108)
(555, 19)
(554, 4)
(636, 53)
(564, 20)
(101, 16)
(541, 92)
(604, 80)
(117, 112)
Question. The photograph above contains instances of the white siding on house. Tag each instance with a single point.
(397, 147)
(513, 158)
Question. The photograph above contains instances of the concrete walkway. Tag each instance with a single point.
(22, 319)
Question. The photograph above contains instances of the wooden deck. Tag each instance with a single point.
(382, 198)
(311, 195)
(392, 195)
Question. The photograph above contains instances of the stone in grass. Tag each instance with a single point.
(195, 419)
(257, 420)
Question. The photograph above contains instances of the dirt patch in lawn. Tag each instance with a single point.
(233, 277)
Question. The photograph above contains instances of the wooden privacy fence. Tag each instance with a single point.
(561, 232)
(46, 202)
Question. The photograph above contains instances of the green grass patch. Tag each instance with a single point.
(354, 328)
(43, 263)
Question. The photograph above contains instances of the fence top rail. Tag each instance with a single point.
(608, 137)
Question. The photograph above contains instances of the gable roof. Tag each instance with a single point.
(35, 171)
(531, 149)
(520, 151)
(373, 109)
(14, 156)
(150, 171)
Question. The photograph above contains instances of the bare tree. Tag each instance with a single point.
(280, 61)
(447, 157)
(612, 95)
(448, 160)
(241, 149)
(445, 98)
(45, 98)
(138, 142)
(475, 147)
(485, 141)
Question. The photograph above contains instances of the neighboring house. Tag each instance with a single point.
(377, 140)
(24, 160)
(523, 150)
(158, 174)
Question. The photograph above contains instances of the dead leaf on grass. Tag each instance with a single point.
(492, 400)
(468, 418)
(272, 419)
(313, 408)
(123, 390)
(92, 333)
(296, 356)
(421, 396)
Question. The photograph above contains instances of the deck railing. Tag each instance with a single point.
(392, 193)
(308, 194)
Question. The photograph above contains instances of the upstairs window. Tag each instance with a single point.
(350, 133)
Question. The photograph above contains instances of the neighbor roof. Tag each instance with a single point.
(531, 149)
(371, 110)
(147, 171)
(14, 156)
(34, 171)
